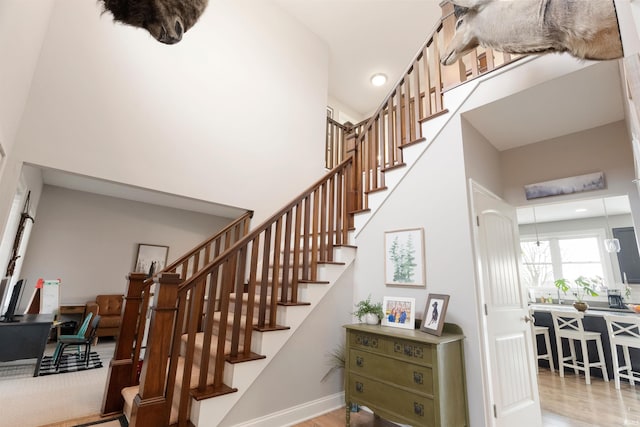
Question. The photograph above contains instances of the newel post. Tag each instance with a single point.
(150, 406)
(122, 366)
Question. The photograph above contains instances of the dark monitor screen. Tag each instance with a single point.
(16, 293)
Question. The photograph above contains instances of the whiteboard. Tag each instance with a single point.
(50, 296)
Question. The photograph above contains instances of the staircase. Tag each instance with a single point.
(221, 312)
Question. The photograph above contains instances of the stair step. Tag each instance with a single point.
(129, 393)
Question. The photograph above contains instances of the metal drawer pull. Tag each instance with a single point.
(359, 361)
(359, 387)
(418, 409)
(417, 377)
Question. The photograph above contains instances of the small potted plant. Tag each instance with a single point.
(583, 286)
(371, 312)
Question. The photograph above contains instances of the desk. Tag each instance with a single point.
(26, 338)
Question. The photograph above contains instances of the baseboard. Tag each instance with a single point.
(298, 414)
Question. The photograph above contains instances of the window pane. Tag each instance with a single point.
(536, 264)
(575, 270)
(579, 250)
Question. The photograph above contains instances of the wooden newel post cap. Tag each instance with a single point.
(167, 278)
(136, 276)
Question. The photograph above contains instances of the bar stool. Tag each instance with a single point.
(568, 324)
(544, 331)
(624, 331)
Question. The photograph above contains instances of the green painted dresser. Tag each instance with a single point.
(407, 376)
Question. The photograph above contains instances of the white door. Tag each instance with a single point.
(508, 346)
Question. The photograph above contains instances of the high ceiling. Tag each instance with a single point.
(366, 37)
(372, 36)
(369, 36)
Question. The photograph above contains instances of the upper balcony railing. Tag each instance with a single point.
(418, 96)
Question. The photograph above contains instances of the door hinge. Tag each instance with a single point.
(486, 312)
(495, 411)
(478, 220)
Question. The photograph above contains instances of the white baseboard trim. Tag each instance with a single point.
(298, 414)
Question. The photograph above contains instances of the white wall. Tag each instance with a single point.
(605, 148)
(235, 110)
(294, 377)
(433, 196)
(481, 159)
(90, 241)
(22, 28)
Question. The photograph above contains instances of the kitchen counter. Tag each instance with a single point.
(592, 310)
(593, 321)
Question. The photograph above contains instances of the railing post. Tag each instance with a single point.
(353, 195)
(122, 366)
(150, 406)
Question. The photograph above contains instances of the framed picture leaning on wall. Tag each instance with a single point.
(434, 314)
(151, 258)
(399, 312)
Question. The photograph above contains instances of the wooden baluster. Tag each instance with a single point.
(417, 102)
(122, 368)
(150, 407)
(286, 258)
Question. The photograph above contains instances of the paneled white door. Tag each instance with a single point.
(508, 346)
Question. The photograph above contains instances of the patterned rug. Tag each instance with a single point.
(120, 421)
(69, 363)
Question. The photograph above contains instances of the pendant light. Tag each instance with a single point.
(611, 244)
(535, 226)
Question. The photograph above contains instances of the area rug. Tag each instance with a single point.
(120, 421)
(69, 363)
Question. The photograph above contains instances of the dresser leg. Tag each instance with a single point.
(348, 415)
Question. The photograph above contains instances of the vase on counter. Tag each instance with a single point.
(581, 306)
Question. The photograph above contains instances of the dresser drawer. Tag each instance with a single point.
(416, 409)
(409, 375)
(411, 351)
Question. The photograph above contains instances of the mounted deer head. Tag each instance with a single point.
(584, 29)
(165, 20)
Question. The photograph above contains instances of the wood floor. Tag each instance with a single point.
(566, 402)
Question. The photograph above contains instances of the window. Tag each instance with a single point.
(563, 256)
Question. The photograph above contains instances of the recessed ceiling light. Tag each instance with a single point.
(581, 210)
(378, 79)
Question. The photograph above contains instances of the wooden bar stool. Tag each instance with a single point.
(544, 331)
(568, 324)
(624, 331)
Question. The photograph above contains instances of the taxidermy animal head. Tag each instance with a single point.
(166, 20)
(584, 29)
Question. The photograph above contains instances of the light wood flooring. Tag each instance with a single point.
(566, 402)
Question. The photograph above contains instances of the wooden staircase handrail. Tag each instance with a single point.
(224, 256)
(180, 261)
(265, 267)
(136, 303)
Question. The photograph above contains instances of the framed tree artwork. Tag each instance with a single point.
(404, 257)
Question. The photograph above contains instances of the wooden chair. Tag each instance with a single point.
(624, 332)
(79, 341)
(568, 325)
